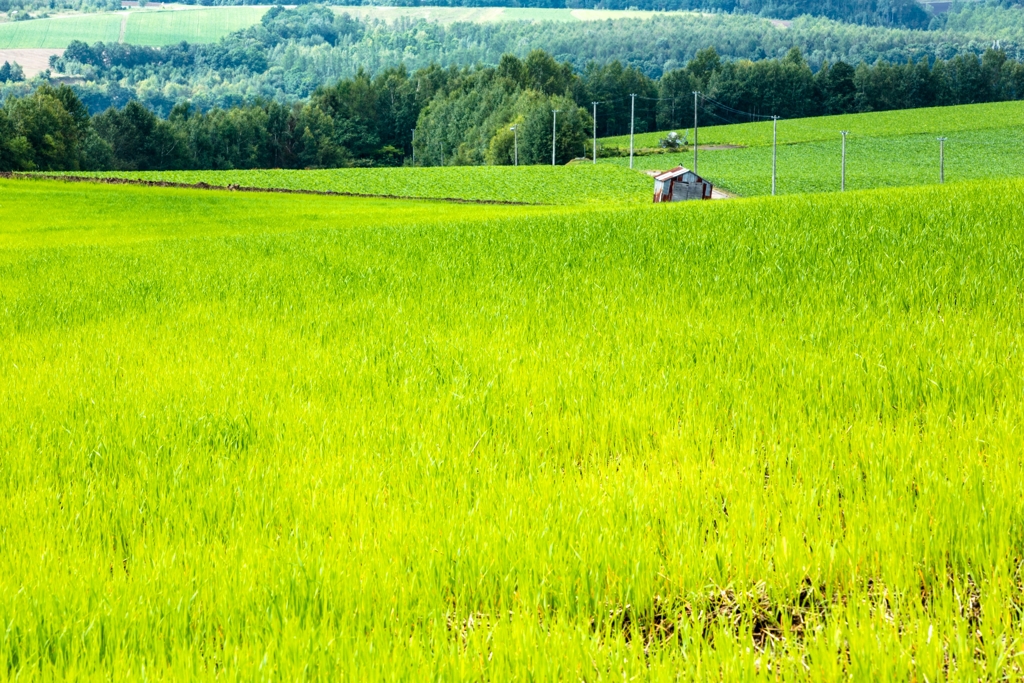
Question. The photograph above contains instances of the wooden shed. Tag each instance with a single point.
(680, 184)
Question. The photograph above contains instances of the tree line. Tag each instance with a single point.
(474, 115)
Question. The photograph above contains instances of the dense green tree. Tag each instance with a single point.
(837, 90)
(570, 128)
(611, 85)
(15, 149)
(675, 99)
(54, 134)
(11, 72)
(140, 141)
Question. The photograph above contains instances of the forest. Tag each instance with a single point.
(292, 52)
(464, 115)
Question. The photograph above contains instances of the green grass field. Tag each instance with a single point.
(57, 32)
(146, 27)
(574, 184)
(289, 437)
(884, 149)
(926, 121)
(195, 26)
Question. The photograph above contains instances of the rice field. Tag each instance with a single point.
(291, 437)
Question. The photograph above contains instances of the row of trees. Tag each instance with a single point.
(11, 73)
(466, 115)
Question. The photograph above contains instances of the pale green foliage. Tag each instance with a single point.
(285, 437)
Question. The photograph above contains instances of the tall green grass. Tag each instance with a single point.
(762, 438)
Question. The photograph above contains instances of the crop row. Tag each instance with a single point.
(907, 122)
(574, 184)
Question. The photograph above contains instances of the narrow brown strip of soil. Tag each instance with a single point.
(242, 188)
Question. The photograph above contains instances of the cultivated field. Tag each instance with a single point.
(884, 149)
(194, 26)
(575, 184)
(141, 27)
(57, 32)
(283, 436)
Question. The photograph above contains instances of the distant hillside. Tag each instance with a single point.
(893, 13)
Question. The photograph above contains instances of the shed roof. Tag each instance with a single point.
(675, 173)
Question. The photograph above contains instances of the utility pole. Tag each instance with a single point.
(632, 111)
(842, 182)
(515, 133)
(775, 139)
(942, 160)
(595, 131)
(413, 146)
(695, 94)
(554, 130)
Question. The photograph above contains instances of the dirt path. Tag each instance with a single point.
(124, 27)
(241, 188)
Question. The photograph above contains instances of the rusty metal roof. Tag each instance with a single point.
(674, 173)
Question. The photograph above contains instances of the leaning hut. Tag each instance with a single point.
(680, 184)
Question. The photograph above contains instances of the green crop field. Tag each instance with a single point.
(258, 436)
(930, 121)
(142, 27)
(57, 32)
(885, 149)
(574, 184)
(194, 26)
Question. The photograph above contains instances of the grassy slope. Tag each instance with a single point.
(195, 26)
(59, 31)
(574, 184)
(200, 25)
(296, 439)
(931, 121)
(885, 149)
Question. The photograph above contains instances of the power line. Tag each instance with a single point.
(734, 110)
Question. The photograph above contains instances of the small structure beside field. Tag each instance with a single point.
(680, 184)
